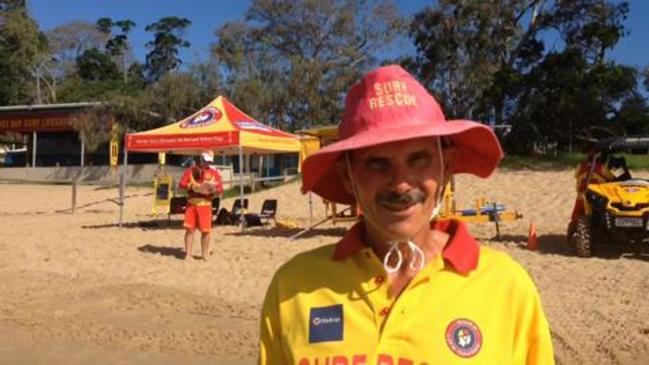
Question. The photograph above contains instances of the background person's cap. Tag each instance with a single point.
(389, 105)
(207, 156)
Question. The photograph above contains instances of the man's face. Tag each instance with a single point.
(396, 185)
(200, 162)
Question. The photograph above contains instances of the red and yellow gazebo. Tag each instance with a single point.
(219, 126)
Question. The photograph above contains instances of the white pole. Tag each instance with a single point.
(261, 167)
(34, 149)
(83, 149)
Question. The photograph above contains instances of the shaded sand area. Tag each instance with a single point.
(76, 289)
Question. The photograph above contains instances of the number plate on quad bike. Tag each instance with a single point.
(628, 222)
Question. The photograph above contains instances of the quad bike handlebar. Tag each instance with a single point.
(619, 163)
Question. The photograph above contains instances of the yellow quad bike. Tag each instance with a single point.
(616, 212)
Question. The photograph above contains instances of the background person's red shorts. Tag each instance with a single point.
(198, 215)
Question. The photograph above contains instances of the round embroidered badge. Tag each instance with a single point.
(463, 337)
(202, 119)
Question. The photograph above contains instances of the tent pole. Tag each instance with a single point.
(241, 221)
(261, 168)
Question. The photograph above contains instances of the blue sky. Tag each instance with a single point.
(207, 15)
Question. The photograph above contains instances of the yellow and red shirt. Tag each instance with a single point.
(599, 175)
(188, 183)
(472, 304)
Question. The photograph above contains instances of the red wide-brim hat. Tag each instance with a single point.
(389, 105)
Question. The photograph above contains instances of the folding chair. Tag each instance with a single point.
(232, 217)
(238, 210)
(216, 204)
(268, 211)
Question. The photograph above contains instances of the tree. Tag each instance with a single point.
(207, 79)
(94, 126)
(292, 61)
(564, 97)
(95, 65)
(21, 47)
(175, 96)
(117, 45)
(488, 60)
(591, 26)
(633, 116)
(460, 46)
(168, 39)
(69, 41)
(12, 5)
(136, 75)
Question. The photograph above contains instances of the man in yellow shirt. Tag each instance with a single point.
(401, 287)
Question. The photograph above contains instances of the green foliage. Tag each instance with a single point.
(133, 112)
(104, 25)
(21, 47)
(461, 45)
(590, 26)
(117, 45)
(94, 126)
(136, 75)
(163, 57)
(565, 160)
(94, 65)
(488, 61)
(175, 96)
(69, 41)
(207, 80)
(75, 89)
(291, 62)
(633, 116)
(564, 97)
(12, 5)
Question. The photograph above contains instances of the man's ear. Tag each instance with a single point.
(342, 168)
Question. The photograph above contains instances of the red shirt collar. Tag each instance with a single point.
(462, 251)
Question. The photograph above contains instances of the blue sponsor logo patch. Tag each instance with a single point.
(326, 324)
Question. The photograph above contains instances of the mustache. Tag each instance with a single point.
(392, 197)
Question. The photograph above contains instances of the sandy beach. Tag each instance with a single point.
(77, 289)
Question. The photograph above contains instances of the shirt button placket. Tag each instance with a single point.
(384, 312)
(379, 279)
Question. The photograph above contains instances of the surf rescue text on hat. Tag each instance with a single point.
(390, 93)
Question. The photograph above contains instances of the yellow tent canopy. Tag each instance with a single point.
(326, 134)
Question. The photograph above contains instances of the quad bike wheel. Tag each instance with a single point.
(583, 237)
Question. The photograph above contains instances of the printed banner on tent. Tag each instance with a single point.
(181, 141)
